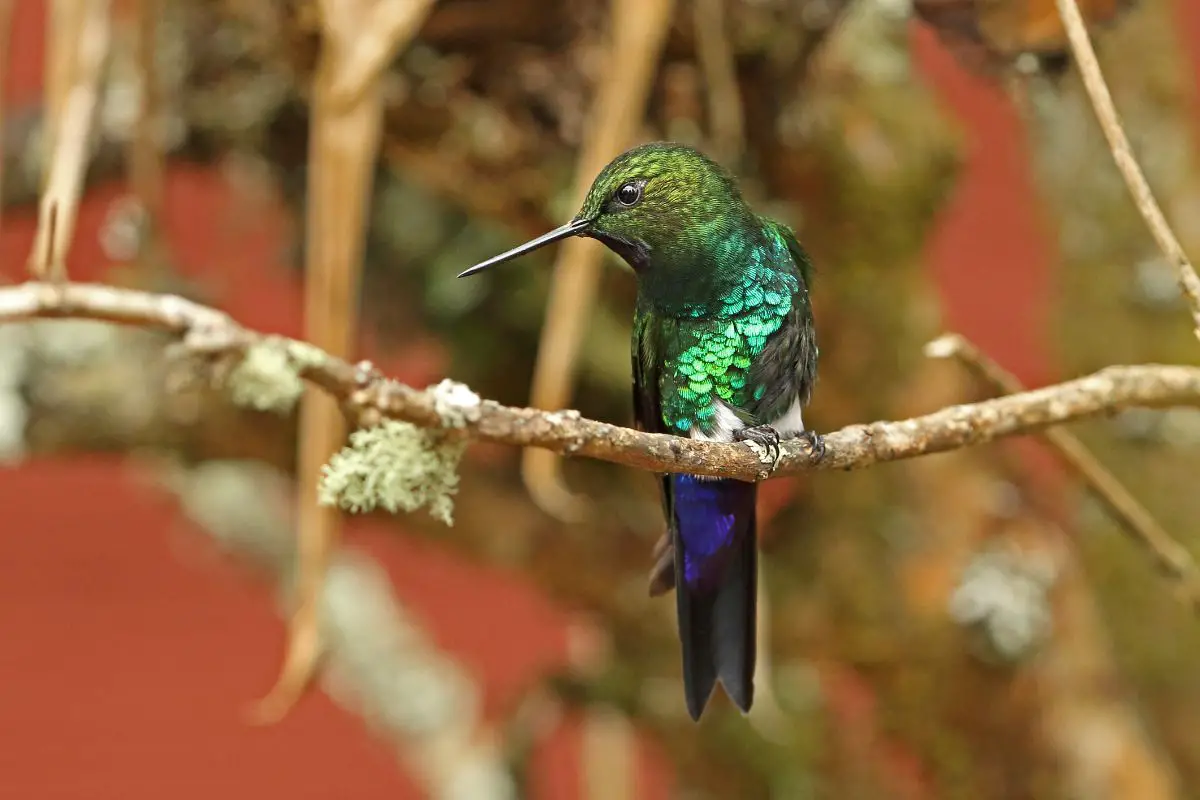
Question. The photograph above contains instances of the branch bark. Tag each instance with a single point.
(1168, 555)
(367, 396)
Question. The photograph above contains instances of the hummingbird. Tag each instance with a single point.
(724, 350)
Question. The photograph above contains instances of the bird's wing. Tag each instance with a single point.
(787, 366)
(799, 254)
(647, 386)
(647, 373)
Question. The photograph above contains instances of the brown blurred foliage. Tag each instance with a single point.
(991, 34)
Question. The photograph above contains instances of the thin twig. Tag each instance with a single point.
(368, 396)
(358, 38)
(146, 157)
(342, 149)
(1171, 558)
(638, 32)
(391, 25)
(1122, 153)
(717, 62)
(84, 27)
(636, 37)
(6, 22)
(62, 32)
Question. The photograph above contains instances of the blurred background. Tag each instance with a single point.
(969, 625)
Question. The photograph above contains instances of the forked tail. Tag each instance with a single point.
(716, 586)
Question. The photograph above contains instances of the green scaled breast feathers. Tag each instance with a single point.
(707, 353)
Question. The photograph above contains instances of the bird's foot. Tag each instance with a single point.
(764, 440)
(816, 444)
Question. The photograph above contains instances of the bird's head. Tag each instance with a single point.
(666, 209)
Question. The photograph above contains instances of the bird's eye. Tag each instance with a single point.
(629, 194)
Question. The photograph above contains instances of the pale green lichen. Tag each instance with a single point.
(397, 466)
(266, 378)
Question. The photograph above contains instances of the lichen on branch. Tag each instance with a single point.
(397, 466)
(401, 467)
(267, 375)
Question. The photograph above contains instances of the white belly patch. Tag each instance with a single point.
(726, 423)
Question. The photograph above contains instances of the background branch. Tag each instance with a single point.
(79, 50)
(359, 37)
(146, 153)
(1122, 153)
(382, 665)
(1171, 558)
(637, 32)
(6, 19)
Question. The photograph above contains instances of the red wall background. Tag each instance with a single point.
(128, 650)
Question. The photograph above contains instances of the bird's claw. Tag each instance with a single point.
(815, 442)
(764, 440)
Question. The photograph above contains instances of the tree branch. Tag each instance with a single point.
(1122, 153)
(1168, 555)
(367, 396)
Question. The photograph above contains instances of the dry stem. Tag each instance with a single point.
(371, 640)
(359, 37)
(146, 152)
(6, 21)
(1171, 558)
(638, 32)
(78, 50)
(720, 76)
(1118, 143)
(390, 25)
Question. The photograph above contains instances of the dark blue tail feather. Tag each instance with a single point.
(716, 586)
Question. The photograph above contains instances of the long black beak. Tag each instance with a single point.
(572, 228)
